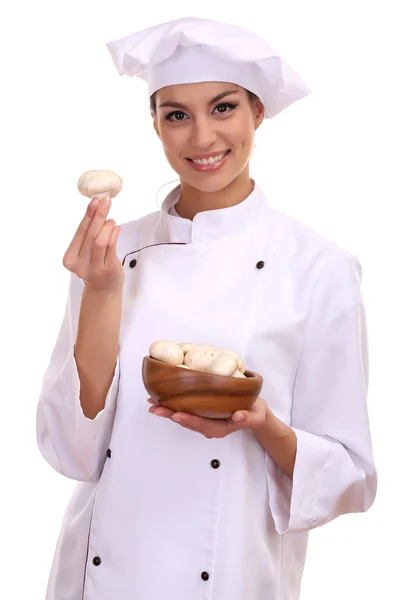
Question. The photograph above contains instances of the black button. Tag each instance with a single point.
(215, 463)
(96, 561)
(260, 264)
(109, 453)
(205, 576)
(133, 263)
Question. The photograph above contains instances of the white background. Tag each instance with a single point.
(329, 161)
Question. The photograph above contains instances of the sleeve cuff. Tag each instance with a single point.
(88, 430)
(294, 502)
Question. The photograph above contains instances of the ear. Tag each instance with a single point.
(259, 112)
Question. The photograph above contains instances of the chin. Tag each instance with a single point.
(208, 183)
(208, 187)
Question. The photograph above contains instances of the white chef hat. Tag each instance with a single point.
(192, 50)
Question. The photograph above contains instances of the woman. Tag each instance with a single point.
(169, 505)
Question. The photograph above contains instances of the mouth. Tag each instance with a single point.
(209, 163)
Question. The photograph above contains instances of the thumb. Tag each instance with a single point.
(241, 416)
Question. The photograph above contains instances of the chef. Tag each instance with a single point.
(168, 505)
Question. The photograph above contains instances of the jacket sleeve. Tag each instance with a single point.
(334, 470)
(72, 444)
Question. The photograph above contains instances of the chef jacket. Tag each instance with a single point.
(160, 511)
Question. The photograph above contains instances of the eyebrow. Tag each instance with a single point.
(182, 106)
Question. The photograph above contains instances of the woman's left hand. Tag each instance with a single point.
(253, 419)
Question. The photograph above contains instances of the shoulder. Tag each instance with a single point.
(324, 273)
(308, 250)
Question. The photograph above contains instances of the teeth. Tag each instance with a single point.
(209, 161)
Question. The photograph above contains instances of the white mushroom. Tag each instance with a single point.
(200, 358)
(99, 184)
(166, 351)
(241, 366)
(204, 347)
(186, 347)
(239, 374)
(223, 364)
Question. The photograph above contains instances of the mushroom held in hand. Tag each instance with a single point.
(166, 351)
(99, 184)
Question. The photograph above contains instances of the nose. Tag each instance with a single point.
(203, 134)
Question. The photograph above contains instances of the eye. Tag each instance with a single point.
(176, 116)
(225, 107)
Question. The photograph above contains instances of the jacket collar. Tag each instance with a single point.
(211, 225)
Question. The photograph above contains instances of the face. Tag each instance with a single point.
(207, 131)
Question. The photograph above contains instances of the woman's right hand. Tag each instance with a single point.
(92, 254)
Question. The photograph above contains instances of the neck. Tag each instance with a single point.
(193, 201)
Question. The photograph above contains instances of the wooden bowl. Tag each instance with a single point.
(198, 393)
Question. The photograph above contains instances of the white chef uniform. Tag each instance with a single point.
(153, 517)
(161, 512)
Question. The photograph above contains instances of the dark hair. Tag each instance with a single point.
(252, 97)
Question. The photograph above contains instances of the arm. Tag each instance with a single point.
(75, 445)
(279, 441)
(96, 348)
(334, 470)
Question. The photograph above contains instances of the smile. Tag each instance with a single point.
(211, 163)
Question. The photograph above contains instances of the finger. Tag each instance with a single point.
(249, 419)
(208, 427)
(151, 401)
(193, 420)
(95, 226)
(205, 433)
(100, 244)
(111, 250)
(160, 411)
(75, 246)
(240, 416)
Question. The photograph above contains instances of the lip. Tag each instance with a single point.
(207, 155)
(209, 168)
